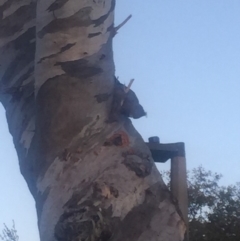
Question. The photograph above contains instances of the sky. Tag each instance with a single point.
(185, 58)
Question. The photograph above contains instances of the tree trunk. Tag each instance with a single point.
(92, 179)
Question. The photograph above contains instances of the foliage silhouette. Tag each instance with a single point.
(214, 210)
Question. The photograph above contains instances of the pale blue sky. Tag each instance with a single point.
(185, 58)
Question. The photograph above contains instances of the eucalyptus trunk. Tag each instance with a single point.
(91, 175)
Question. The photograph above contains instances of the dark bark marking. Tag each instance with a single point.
(56, 5)
(23, 41)
(79, 68)
(63, 49)
(15, 22)
(103, 56)
(21, 93)
(25, 76)
(66, 47)
(139, 163)
(47, 57)
(102, 97)
(25, 52)
(80, 19)
(17, 88)
(91, 35)
(98, 117)
(21, 60)
(102, 19)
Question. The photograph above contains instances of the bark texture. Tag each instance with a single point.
(92, 179)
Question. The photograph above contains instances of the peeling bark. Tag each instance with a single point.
(92, 179)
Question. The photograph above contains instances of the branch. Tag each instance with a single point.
(129, 86)
(127, 89)
(121, 24)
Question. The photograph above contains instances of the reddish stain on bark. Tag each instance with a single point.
(118, 139)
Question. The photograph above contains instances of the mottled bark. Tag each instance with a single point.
(92, 179)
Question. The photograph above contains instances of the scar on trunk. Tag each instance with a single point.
(118, 139)
(138, 162)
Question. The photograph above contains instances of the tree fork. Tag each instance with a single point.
(91, 179)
